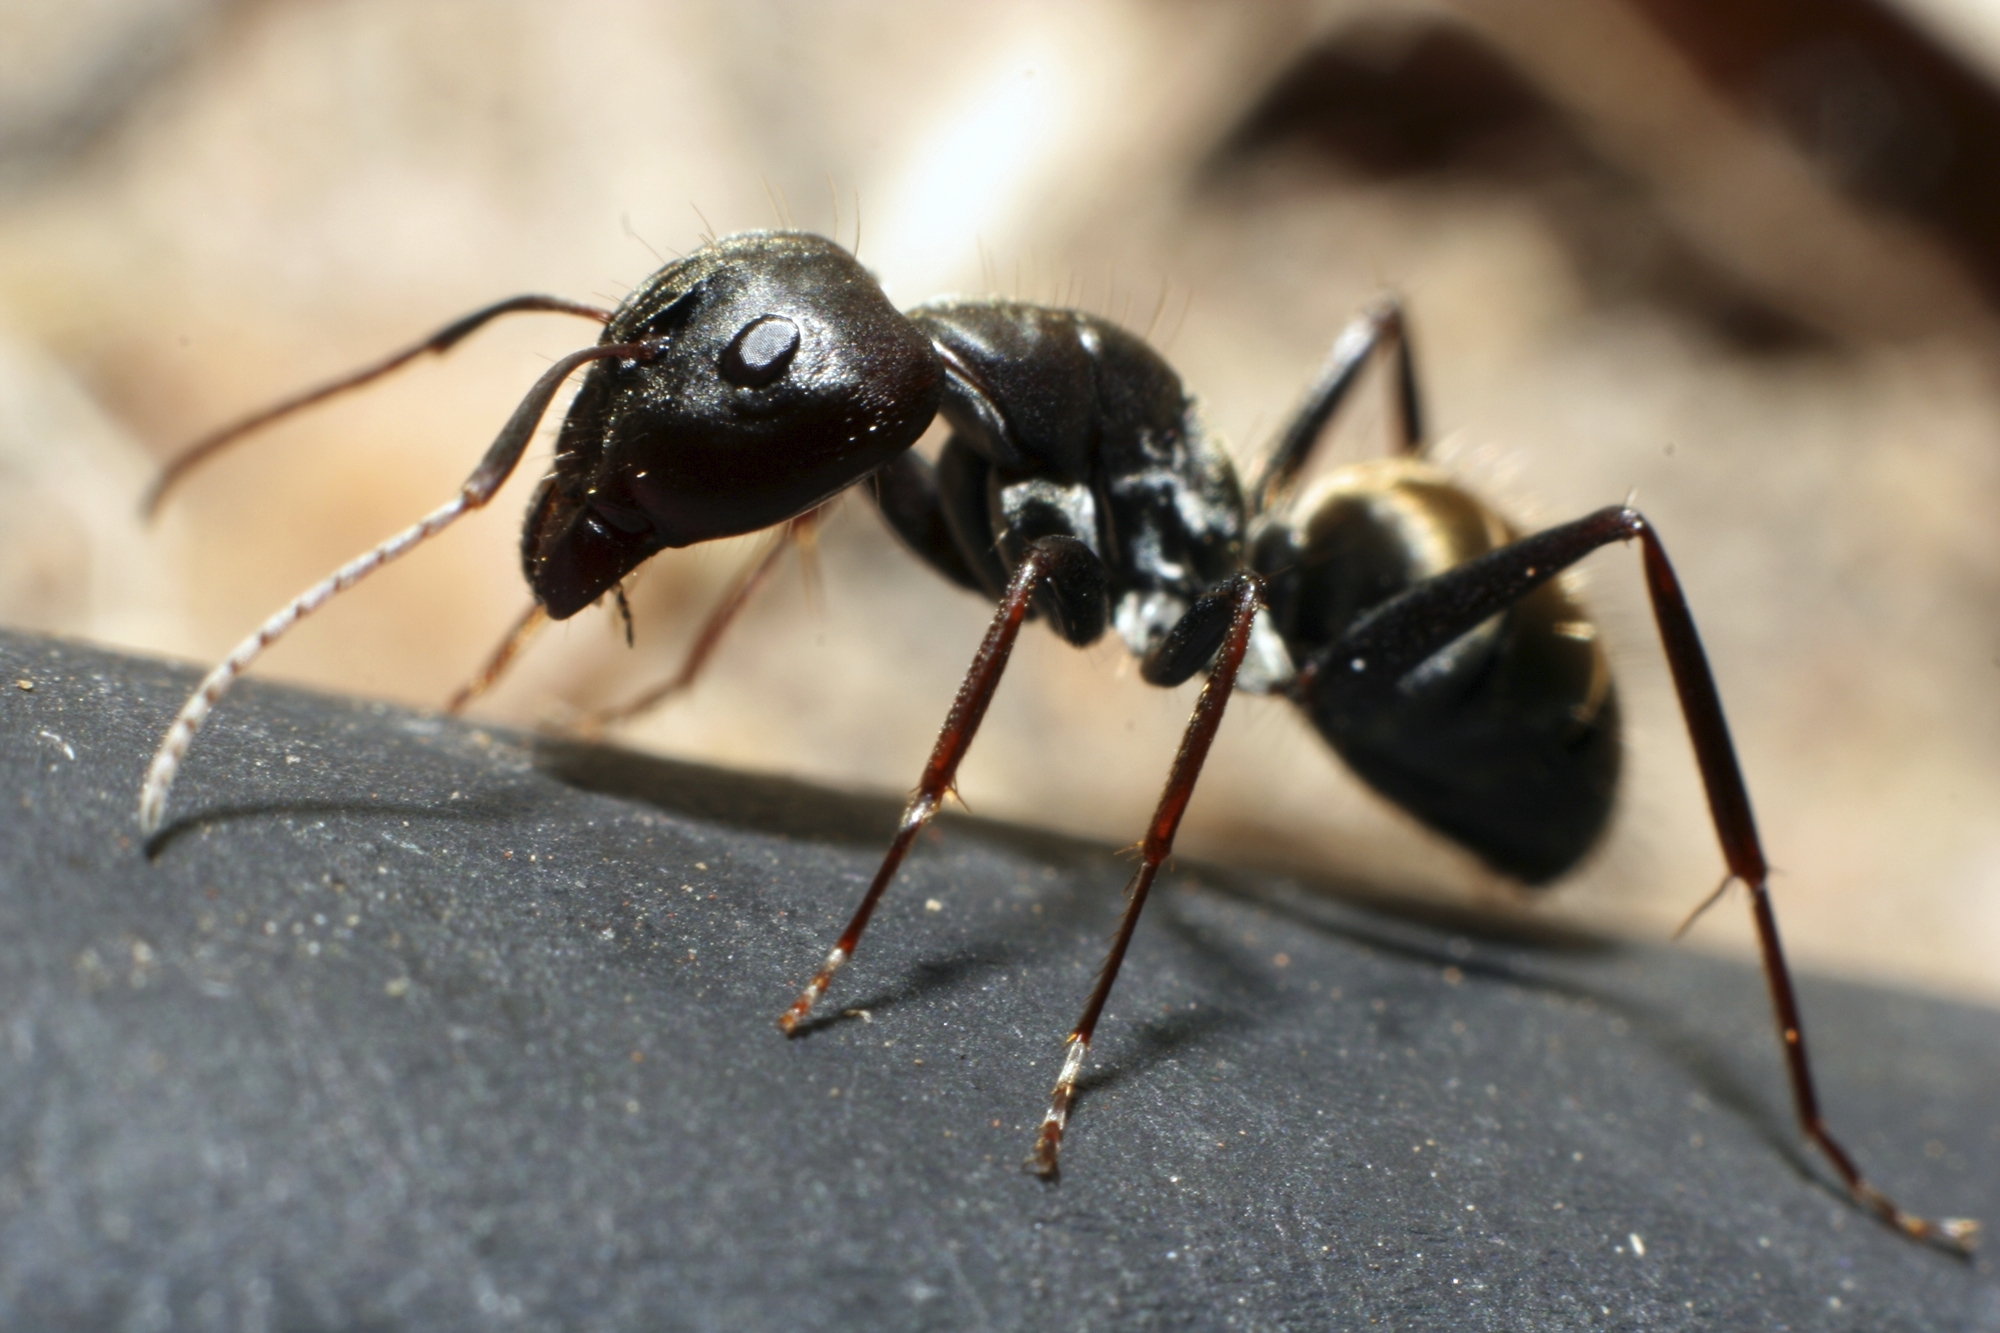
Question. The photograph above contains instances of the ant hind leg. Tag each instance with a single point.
(1362, 668)
(1382, 328)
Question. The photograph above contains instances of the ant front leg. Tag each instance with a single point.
(1362, 669)
(907, 493)
(797, 533)
(1075, 578)
(525, 627)
(706, 640)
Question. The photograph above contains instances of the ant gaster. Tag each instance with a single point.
(1429, 642)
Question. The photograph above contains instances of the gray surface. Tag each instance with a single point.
(415, 1025)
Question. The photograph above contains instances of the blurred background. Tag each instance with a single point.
(1740, 257)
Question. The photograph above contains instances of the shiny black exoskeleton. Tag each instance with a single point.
(784, 376)
(1434, 647)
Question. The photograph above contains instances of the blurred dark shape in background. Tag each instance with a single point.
(1392, 99)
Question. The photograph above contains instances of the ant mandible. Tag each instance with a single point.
(1431, 644)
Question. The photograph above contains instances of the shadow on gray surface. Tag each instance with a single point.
(779, 806)
(493, 811)
(1674, 1033)
(435, 1022)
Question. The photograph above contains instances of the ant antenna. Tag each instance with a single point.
(486, 479)
(438, 343)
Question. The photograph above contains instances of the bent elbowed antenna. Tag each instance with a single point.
(486, 479)
(438, 343)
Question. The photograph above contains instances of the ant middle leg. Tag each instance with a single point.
(1225, 616)
(1075, 578)
(1362, 669)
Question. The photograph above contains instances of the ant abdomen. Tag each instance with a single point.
(1506, 740)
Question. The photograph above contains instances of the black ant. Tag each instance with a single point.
(1432, 645)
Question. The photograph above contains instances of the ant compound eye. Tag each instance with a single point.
(760, 352)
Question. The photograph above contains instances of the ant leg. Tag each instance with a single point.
(1076, 577)
(527, 626)
(1238, 602)
(1382, 327)
(1381, 647)
(907, 493)
(1364, 664)
(440, 342)
(1729, 806)
(493, 469)
(740, 592)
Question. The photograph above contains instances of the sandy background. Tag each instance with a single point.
(1632, 265)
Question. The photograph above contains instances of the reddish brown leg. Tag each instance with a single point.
(719, 620)
(1159, 843)
(1729, 805)
(441, 341)
(1380, 330)
(1387, 642)
(525, 627)
(1044, 561)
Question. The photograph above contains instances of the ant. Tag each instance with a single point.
(1432, 645)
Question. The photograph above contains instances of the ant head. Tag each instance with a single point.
(779, 375)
